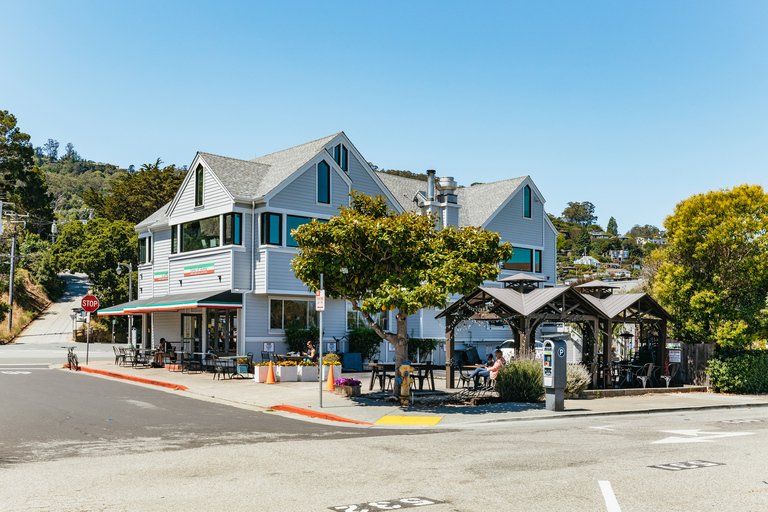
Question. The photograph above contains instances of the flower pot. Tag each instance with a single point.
(260, 373)
(307, 373)
(336, 371)
(242, 368)
(286, 373)
(348, 390)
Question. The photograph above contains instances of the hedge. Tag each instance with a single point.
(743, 372)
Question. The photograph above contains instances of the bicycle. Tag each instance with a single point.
(72, 359)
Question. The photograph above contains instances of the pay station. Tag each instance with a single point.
(555, 376)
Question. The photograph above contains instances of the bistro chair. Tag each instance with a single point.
(119, 356)
(221, 367)
(463, 377)
(190, 365)
(672, 372)
(423, 374)
(645, 374)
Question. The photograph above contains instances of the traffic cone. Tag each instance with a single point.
(271, 375)
(329, 384)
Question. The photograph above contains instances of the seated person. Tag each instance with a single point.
(489, 371)
(311, 353)
(161, 350)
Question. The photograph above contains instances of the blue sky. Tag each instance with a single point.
(633, 106)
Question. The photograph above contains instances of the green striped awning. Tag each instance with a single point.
(210, 299)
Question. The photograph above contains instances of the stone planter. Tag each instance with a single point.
(336, 371)
(307, 373)
(348, 390)
(286, 373)
(260, 373)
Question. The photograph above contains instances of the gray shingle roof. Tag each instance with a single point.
(477, 202)
(159, 218)
(241, 178)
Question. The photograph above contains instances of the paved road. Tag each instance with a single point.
(79, 442)
(43, 338)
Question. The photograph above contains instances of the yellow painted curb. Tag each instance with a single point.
(409, 420)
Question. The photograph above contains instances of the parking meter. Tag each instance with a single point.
(555, 376)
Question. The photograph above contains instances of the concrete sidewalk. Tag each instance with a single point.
(301, 400)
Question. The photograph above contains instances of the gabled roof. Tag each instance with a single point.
(616, 303)
(241, 178)
(159, 218)
(478, 202)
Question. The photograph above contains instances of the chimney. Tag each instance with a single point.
(430, 185)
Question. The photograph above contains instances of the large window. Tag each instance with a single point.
(199, 186)
(145, 250)
(521, 260)
(355, 319)
(271, 228)
(174, 239)
(233, 229)
(524, 260)
(293, 222)
(200, 234)
(323, 182)
(284, 313)
(527, 202)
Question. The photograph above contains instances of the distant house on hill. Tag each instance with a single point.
(587, 260)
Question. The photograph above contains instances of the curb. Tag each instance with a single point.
(625, 413)
(316, 414)
(177, 387)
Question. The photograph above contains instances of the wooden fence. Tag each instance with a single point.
(693, 363)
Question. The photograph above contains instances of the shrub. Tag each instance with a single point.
(331, 359)
(297, 338)
(739, 371)
(521, 380)
(578, 378)
(424, 346)
(364, 341)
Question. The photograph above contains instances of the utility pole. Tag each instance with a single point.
(15, 234)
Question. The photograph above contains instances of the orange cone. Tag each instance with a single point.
(329, 384)
(271, 375)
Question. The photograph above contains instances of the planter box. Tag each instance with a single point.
(336, 371)
(260, 373)
(286, 373)
(307, 373)
(348, 390)
(242, 368)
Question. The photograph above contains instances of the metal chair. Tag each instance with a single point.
(220, 367)
(645, 374)
(672, 372)
(119, 356)
(190, 365)
(463, 378)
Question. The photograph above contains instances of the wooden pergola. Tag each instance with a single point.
(523, 306)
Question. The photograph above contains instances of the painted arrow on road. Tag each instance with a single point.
(697, 436)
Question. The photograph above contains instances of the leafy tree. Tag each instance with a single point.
(20, 181)
(580, 213)
(95, 249)
(52, 149)
(405, 174)
(613, 228)
(713, 274)
(128, 200)
(379, 260)
(560, 242)
(647, 231)
(583, 240)
(37, 257)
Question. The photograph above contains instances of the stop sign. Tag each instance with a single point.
(90, 303)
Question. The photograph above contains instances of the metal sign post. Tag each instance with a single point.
(320, 307)
(88, 338)
(89, 304)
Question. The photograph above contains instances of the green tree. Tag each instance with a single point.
(647, 231)
(95, 249)
(379, 261)
(713, 274)
(583, 240)
(612, 228)
(128, 198)
(20, 181)
(580, 213)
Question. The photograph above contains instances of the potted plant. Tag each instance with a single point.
(307, 371)
(242, 365)
(286, 371)
(347, 387)
(331, 361)
(260, 372)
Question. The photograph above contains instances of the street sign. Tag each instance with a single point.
(320, 300)
(90, 303)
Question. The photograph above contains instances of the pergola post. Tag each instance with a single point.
(450, 336)
(595, 350)
(608, 343)
(661, 349)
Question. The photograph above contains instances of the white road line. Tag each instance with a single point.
(610, 498)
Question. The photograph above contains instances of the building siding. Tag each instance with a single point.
(509, 222)
(214, 196)
(281, 277)
(363, 182)
(301, 194)
(218, 280)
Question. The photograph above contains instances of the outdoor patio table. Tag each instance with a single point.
(232, 360)
(629, 372)
(379, 370)
(286, 357)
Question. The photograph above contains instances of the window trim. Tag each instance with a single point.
(266, 231)
(144, 250)
(527, 207)
(237, 228)
(175, 239)
(317, 183)
(199, 185)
